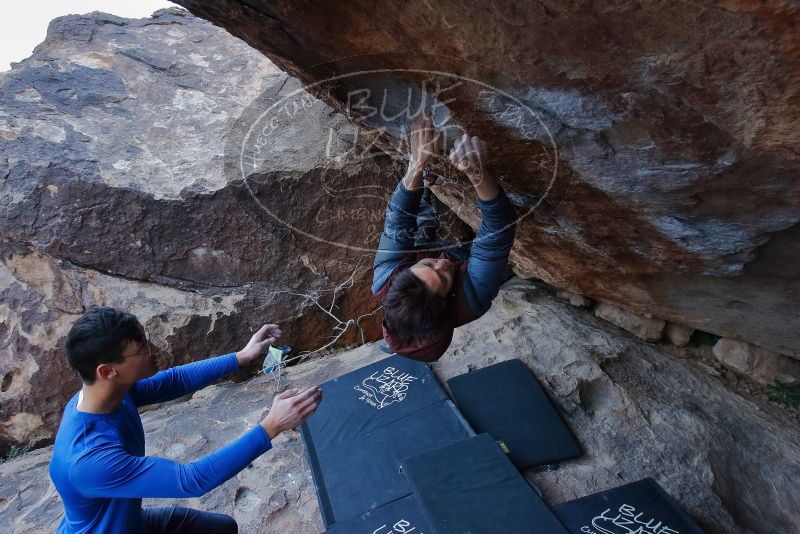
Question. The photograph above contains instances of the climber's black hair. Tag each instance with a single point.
(99, 336)
(413, 312)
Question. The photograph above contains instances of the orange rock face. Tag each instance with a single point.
(651, 148)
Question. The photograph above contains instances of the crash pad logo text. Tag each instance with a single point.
(386, 387)
(626, 521)
(401, 527)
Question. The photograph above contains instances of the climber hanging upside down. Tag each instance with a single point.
(428, 287)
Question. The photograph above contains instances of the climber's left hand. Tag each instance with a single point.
(258, 344)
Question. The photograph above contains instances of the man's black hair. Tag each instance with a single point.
(413, 312)
(99, 336)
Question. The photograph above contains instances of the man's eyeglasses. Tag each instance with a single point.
(148, 351)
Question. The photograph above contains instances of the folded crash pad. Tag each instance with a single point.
(506, 401)
(402, 516)
(369, 420)
(641, 507)
(472, 486)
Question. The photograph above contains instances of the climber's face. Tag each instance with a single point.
(138, 362)
(437, 274)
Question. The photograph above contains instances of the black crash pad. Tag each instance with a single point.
(369, 420)
(371, 397)
(365, 473)
(641, 507)
(398, 517)
(506, 401)
(472, 486)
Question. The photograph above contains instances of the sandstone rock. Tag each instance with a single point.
(574, 298)
(678, 335)
(760, 364)
(651, 167)
(41, 299)
(637, 411)
(647, 328)
(162, 166)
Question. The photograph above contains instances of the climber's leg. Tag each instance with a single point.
(186, 521)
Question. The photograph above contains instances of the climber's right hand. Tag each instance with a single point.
(470, 156)
(291, 408)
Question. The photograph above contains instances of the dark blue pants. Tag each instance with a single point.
(187, 521)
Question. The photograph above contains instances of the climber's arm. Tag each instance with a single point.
(108, 469)
(397, 239)
(184, 379)
(111, 471)
(488, 257)
(490, 249)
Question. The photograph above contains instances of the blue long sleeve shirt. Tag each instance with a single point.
(482, 274)
(101, 472)
(488, 256)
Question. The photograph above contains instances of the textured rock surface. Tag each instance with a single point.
(162, 166)
(642, 410)
(759, 364)
(637, 409)
(651, 147)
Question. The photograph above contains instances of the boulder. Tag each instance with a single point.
(636, 409)
(760, 364)
(643, 327)
(574, 298)
(678, 335)
(163, 166)
(648, 147)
